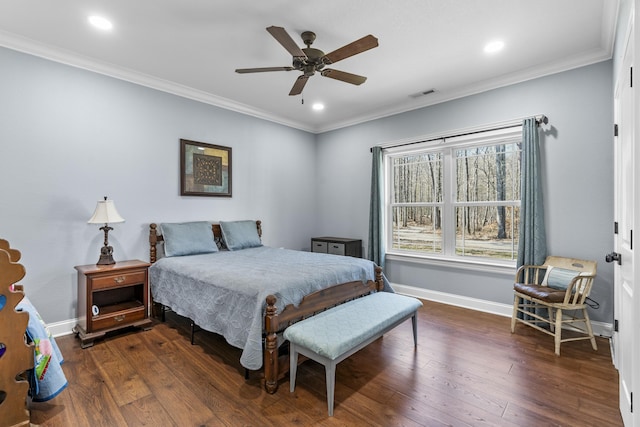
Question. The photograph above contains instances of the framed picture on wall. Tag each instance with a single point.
(205, 169)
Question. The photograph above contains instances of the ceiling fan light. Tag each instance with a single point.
(318, 106)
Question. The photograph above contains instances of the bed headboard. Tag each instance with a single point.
(155, 237)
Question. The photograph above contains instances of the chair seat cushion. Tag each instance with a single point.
(543, 293)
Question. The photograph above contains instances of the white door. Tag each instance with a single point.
(624, 342)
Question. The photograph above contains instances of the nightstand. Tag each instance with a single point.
(111, 297)
(337, 246)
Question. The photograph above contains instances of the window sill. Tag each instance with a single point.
(507, 269)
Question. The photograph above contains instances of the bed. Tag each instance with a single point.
(221, 277)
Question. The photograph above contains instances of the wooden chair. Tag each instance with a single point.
(561, 286)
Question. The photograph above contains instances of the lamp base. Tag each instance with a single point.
(106, 256)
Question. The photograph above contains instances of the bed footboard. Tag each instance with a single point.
(276, 367)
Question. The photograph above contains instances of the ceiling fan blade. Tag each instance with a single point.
(354, 79)
(262, 70)
(353, 48)
(299, 85)
(281, 35)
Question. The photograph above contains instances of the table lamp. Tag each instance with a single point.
(106, 214)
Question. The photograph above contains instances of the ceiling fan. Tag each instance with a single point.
(309, 60)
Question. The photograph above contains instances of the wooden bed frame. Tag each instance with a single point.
(18, 356)
(276, 366)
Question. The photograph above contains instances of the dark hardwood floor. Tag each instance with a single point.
(468, 370)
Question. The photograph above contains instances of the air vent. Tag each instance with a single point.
(423, 93)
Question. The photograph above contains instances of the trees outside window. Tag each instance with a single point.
(455, 198)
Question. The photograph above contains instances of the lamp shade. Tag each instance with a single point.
(105, 213)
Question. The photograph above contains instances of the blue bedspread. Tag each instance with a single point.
(224, 292)
(46, 379)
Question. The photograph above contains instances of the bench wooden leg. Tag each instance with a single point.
(330, 374)
(414, 323)
(329, 369)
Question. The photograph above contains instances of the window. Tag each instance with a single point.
(455, 198)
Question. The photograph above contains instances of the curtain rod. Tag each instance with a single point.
(540, 119)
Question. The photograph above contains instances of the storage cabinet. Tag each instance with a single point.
(337, 246)
(111, 297)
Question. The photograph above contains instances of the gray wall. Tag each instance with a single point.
(68, 137)
(577, 154)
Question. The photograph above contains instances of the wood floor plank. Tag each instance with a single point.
(54, 413)
(352, 400)
(468, 370)
(146, 411)
(122, 379)
(92, 400)
(457, 384)
(431, 414)
(179, 400)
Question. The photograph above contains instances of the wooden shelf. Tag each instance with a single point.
(337, 246)
(115, 308)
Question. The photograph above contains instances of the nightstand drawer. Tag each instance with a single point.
(122, 279)
(118, 318)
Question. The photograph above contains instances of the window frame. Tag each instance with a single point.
(446, 145)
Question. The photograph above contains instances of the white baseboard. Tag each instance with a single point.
(65, 327)
(602, 329)
(599, 328)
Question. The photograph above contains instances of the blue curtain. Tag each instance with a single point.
(376, 210)
(532, 245)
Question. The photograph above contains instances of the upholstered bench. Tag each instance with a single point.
(333, 335)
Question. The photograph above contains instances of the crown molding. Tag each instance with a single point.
(35, 48)
(588, 58)
(39, 49)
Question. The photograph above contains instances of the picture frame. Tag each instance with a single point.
(205, 169)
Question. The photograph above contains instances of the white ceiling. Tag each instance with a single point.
(192, 47)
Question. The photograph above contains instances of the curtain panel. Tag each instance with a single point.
(376, 247)
(532, 243)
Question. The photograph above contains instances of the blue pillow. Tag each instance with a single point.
(188, 238)
(559, 278)
(240, 234)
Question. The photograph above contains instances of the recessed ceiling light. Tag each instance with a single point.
(494, 46)
(318, 106)
(100, 22)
